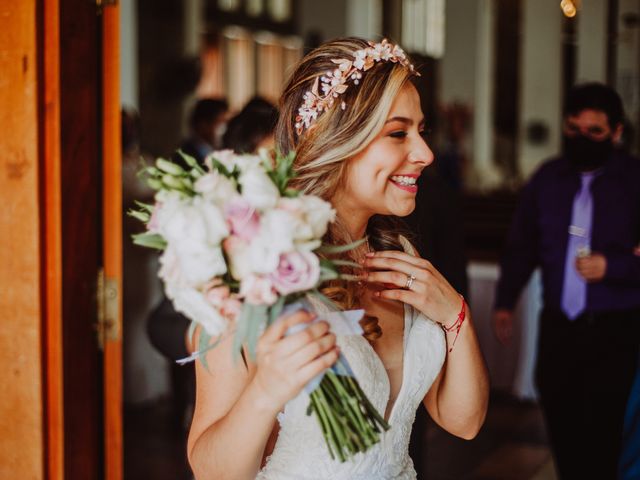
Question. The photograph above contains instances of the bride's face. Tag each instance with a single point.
(382, 178)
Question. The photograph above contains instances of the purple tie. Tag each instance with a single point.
(574, 289)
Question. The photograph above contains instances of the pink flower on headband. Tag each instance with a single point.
(334, 82)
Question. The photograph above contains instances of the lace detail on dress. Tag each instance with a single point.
(300, 452)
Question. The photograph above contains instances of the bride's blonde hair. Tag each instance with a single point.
(337, 135)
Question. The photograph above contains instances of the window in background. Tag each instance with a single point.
(255, 8)
(423, 27)
(275, 57)
(228, 5)
(280, 10)
(239, 66)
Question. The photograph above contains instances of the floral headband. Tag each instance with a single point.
(334, 83)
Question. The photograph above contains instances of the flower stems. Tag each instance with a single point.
(349, 422)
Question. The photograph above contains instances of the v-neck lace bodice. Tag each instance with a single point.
(300, 452)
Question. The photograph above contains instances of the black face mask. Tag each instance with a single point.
(586, 154)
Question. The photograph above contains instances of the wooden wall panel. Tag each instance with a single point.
(21, 415)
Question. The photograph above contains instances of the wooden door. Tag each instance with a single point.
(91, 240)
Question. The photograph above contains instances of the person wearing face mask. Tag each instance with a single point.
(579, 221)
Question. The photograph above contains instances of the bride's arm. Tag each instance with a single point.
(236, 407)
(458, 399)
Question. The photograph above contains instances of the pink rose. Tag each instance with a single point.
(258, 290)
(230, 308)
(217, 294)
(243, 218)
(297, 271)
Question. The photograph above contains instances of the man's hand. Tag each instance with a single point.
(503, 325)
(592, 267)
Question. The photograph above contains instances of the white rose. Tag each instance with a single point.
(258, 189)
(225, 157)
(199, 266)
(295, 207)
(198, 223)
(215, 187)
(258, 290)
(170, 271)
(277, 233)
(194, 305)
(240, 263)
(318, 214)
(229, 160)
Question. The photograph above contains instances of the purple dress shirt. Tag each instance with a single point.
(538, 235)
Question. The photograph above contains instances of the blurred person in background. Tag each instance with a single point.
(579, 221)
(252, 128)
(206, 127)
(436, 221)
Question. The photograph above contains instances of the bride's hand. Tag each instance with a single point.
(285, 364)
(429, 291)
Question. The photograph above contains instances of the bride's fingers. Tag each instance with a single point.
(395, 265)
(404, 296)
(312, 350)
(391, 279)
(294, 342)
(405, 257)
(313, 368)
(276, 331)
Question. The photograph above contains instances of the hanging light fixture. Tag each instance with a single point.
(569, 7)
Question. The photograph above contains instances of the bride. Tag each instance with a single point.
(353, 117)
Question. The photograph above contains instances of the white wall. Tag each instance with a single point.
(468, 77)
(364, 18)
(327, 17)
(129, 53)
(592, 41)
(541, 80)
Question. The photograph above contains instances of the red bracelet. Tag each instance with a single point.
(457, 325)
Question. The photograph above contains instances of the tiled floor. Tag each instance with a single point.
(510, 446)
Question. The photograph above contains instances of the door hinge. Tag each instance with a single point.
(108, 302)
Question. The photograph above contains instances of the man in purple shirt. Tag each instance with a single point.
(579, 221)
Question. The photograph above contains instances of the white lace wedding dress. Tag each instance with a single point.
(300, 452)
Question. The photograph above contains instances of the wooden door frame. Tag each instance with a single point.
(48, 32)
(112, 238)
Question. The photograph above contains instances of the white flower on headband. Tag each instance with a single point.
(334, 82)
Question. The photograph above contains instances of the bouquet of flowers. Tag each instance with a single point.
(239, 246)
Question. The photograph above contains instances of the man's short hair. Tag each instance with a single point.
(595, 96)
(207, 110)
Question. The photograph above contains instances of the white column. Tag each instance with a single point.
(485, 173)
(592, 41)
(541, 81)
(364, 18)
(193, 26)
(129, 53)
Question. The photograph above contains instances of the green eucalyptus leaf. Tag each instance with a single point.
(145, 206)
(142, 216)
(154, 183)
(172, 182)
(169, 167)
(203, 343)
(219, 166)
(150, 240)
